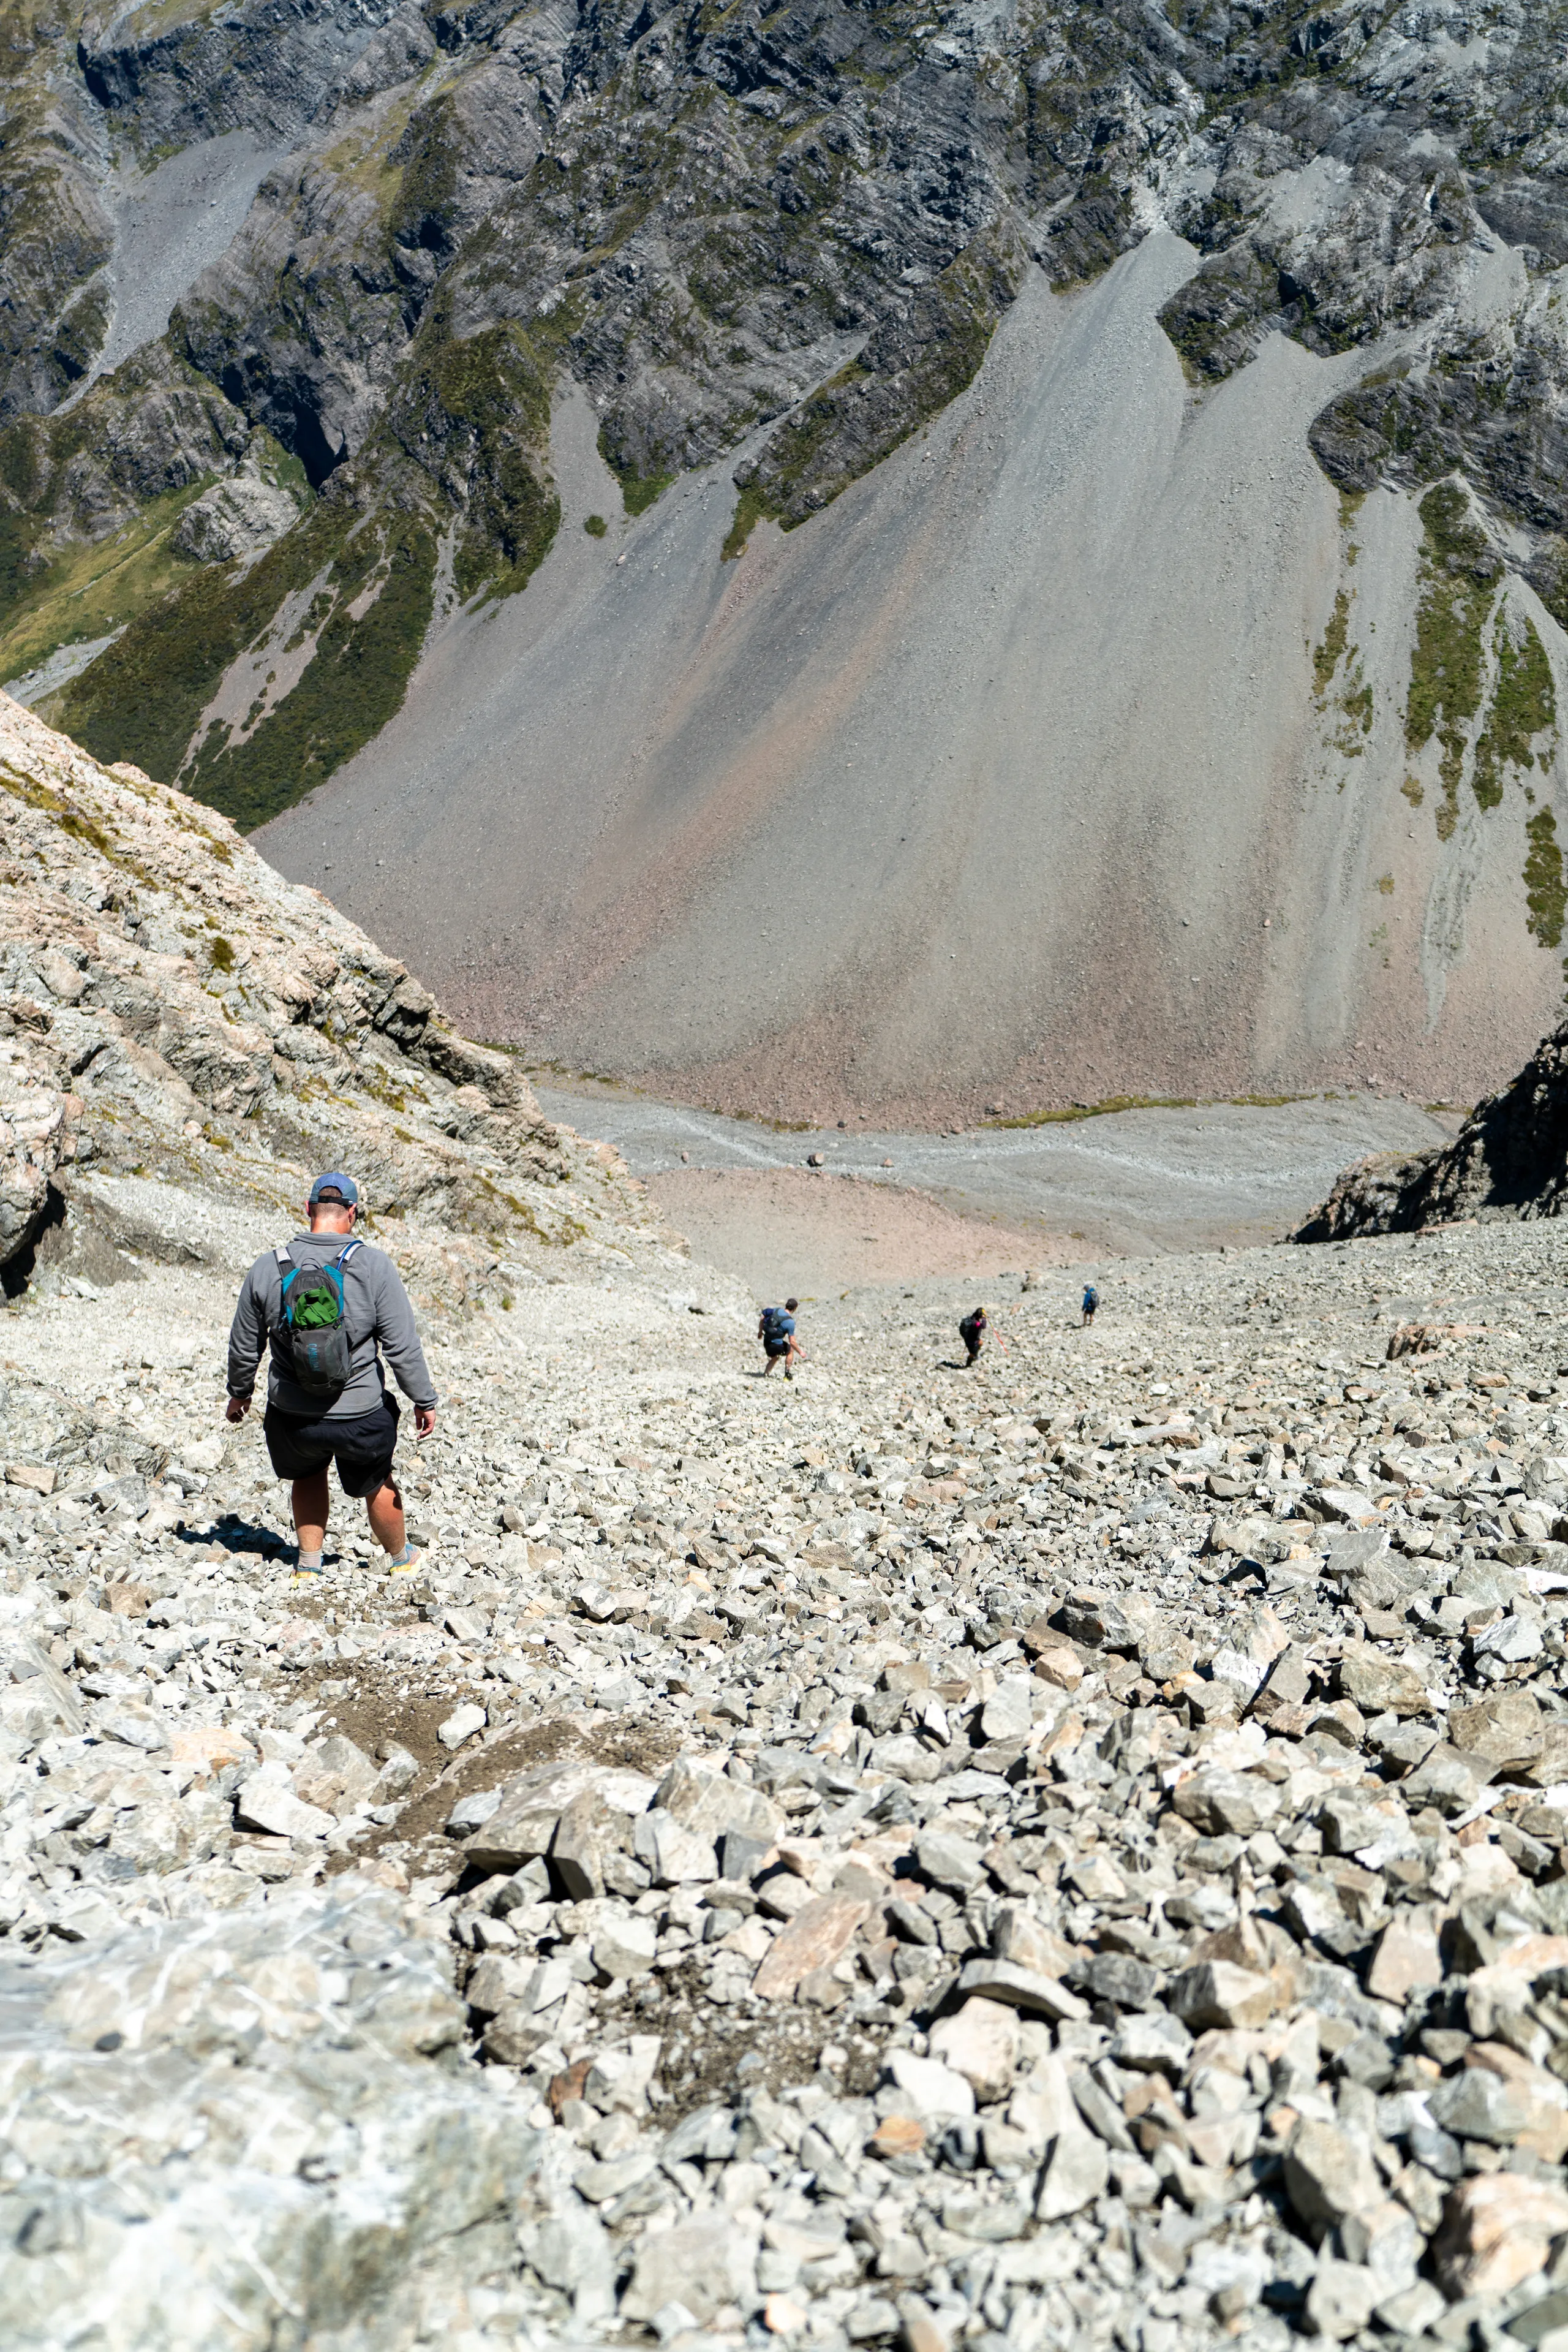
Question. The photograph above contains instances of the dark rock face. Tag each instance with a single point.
(794, 231)
(1509, 1160)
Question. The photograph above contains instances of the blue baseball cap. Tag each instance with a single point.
(340, 1183)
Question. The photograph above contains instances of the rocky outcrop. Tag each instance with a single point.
(1509, 1159)
(285, 2054)
(169, 1004)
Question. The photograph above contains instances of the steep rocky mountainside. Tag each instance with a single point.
(1509, 1159)
(172, 1013)
(304, 306)
(793, 229)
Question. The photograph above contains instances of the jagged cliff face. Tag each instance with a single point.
(280, 408)
(174, 1016)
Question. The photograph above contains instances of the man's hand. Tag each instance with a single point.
(425, 1421)
(236, 1408)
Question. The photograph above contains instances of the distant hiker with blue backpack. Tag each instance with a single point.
(1091, 1304)
(776, 1329)
(329, 1307)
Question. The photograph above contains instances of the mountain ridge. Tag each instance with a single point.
(768, 252)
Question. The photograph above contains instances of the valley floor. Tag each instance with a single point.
(1137, 1182)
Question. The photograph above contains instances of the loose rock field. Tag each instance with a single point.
(1064, 1854)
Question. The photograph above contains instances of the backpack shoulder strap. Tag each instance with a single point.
(282, 1255)
(346, 1251)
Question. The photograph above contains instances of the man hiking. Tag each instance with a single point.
(972, 1330)
(328, 1306)
(1090, 1301)
(776, 1329)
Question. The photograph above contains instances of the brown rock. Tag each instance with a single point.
(36, 1478)
(1505, 1728)
(210, 1751)
(567, 2085)
(923, 2331)
(814, 1939)
(1498, 2229)
(1406, 1956)
(1218, 1992)
(1379, 1683)
(1059, 1664)
(897, 2136)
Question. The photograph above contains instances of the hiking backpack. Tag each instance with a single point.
(314, 1319)
(775, 1324)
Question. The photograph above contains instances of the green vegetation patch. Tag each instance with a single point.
(483, 402)
(1326, 655)
(1545, 894)
(477, 408)
(86, 591)
(354, 682)
(639, 491)
(66, 814)
(1142, 1102)
(749, 508)
(1459, 575)
(1523, 706)
(143, 698)
(595, 526)
(909, 370)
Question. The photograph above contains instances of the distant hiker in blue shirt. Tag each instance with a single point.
(776, 1329)
(1090, 1301)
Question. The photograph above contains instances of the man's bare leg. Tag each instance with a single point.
(384, 1511)
(311, 1501)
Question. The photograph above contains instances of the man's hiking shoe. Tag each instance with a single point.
(406, 1562)
(307, 1580)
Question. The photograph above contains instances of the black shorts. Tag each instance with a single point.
(776, 1347)
(361, 1446)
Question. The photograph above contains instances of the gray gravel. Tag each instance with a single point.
(1136, 1180)
(168, 226)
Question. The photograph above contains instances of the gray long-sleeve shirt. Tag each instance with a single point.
(376, 1312)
